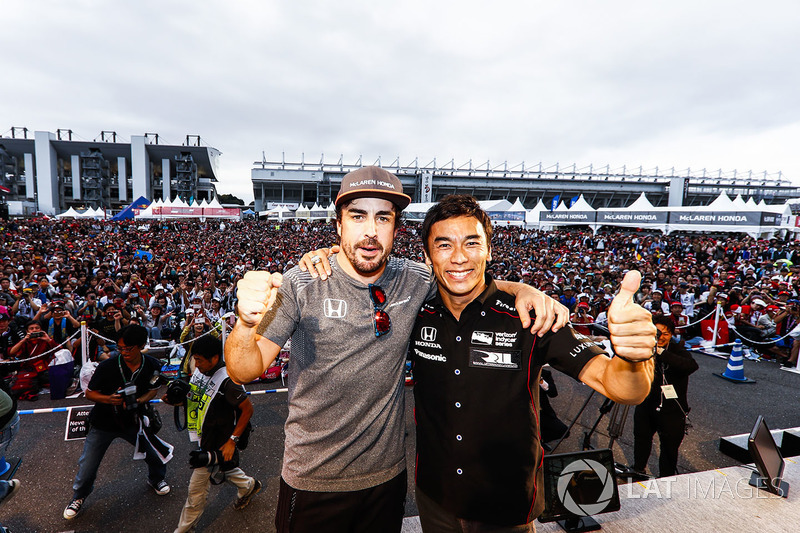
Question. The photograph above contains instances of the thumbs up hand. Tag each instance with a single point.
(257, 291)
(633, 334)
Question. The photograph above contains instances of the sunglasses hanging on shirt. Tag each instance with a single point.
(380, 318)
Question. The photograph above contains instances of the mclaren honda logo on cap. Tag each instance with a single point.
(364, 183)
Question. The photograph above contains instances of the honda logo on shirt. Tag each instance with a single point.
(428, 334)
(334, 308)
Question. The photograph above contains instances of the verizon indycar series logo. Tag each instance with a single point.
(482, 337)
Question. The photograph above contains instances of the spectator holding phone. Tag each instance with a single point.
(34, 369)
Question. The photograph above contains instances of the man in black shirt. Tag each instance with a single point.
(120, 387)
(477, 380)
(666, 408)
(218, 415)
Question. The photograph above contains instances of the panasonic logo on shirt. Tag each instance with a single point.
(430, 357)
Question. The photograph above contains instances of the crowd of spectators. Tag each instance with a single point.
(178, 278)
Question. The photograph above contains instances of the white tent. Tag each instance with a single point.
(532, 216)
(303, 212)
(317, 213)
(69, 213)
(278, 213)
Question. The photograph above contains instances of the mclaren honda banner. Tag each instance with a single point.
(572, 217)
(734, 218)
(632, 217)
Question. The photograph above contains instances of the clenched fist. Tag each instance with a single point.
(256, 291)
(633, 334)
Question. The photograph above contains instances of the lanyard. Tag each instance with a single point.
(135, 373)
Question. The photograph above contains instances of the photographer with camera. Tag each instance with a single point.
(33, 374)
(218, 417)
(89, 310)
(58, 323)
(27, 305)
(112, 322)
(121, 387)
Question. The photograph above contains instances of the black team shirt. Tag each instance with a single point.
(477, 406)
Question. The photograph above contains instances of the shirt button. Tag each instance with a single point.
(458, 437)
(483, 313)
(458, 405)
(458, 338)
(457, 372)
(459, 471)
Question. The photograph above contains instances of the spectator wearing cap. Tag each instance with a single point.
(687, 298)
(679, 319)
(216, 311)
(27, 305)
(161, 290)
(657, 305)
(568, 299)
(768, 324)
(581, 318)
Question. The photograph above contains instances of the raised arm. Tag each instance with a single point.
(625, 378)
(248, 354)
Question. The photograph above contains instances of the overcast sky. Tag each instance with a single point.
(700, 84)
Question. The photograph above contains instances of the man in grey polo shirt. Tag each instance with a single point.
(344, 456)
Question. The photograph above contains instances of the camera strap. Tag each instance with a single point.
(134, 374)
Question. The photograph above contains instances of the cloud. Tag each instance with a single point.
(679, 84)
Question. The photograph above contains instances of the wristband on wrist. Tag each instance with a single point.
(634, 361)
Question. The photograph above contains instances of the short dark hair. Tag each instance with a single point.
(134, 335)
(344, 205)
(666, 322)
(207, 347)
(452, 206)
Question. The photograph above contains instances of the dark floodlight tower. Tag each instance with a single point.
(185, 177)
(95, 179)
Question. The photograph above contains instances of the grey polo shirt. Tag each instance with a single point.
(346, 428)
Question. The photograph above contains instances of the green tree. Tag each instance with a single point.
(230, 199)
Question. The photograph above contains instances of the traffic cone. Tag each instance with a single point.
(735, 370)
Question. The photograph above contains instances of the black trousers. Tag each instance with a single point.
(670, 423)
(377, 509)
(435, 519)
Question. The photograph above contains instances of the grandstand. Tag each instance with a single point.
(283, 183)
(50, 172)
